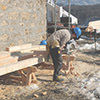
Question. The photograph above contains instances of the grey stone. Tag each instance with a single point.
(17, 16)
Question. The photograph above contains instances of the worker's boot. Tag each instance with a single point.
(61, 73)
(58, 79)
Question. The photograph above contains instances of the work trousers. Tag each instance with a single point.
(56, 56)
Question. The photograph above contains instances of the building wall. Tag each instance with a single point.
(21, 22)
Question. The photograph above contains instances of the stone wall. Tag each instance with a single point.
(21, 22)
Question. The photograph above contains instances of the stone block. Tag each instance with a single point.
(12, 44)
(35, 16)
(21, 24)
(27, 31)
(20, 41)
(5, 1)
(11, 29)
(4, 37)
(25, 15)
(42, 22)
(13, 15)
(39, 30)
(3, 7)
(4, 23)
(32, 24)
(1, 14)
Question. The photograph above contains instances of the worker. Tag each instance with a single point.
(55, 43)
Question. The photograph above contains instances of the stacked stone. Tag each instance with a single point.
(22, 21)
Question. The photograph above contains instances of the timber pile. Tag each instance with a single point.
(25, 48)
(27, 56)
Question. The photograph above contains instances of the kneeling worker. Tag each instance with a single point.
(55, 44)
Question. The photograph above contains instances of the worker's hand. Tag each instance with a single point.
(62, 47)
(66, 72)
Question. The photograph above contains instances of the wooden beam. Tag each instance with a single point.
(20, 65)
(18, 47)
(4, 54)
(23, 56)
(8, 61)
(25, 48)
(34, 48)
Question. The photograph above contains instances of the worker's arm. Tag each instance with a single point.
(63, 42)
(47, 47)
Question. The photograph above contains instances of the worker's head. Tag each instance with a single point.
(77, 33)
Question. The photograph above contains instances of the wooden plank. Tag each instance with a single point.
(8, 61)
(18, 47)
(21, 65)
(34, 48)
(95, 24)
(4, 54)
(23, 56)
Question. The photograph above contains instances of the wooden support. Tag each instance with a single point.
(31, 78)
(69, 69)
(26, 76)
(68, 59)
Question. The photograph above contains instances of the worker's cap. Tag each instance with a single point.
(43, 42)
(77, 31)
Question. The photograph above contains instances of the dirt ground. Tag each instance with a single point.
(87, 63)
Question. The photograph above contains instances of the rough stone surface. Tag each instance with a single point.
(22, 21)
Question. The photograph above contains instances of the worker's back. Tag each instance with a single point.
(61, 36)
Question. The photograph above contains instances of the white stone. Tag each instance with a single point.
(33, 86)
(97, 91)
(92, 95)
(93, 98)
(92, 79)
(88, 83)
(84, 80)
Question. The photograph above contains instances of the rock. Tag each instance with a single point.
(88, 83)
(35, 95)
(93, 98)
(44, 93)
(92, 79)
(97, 92)
(32, 87)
